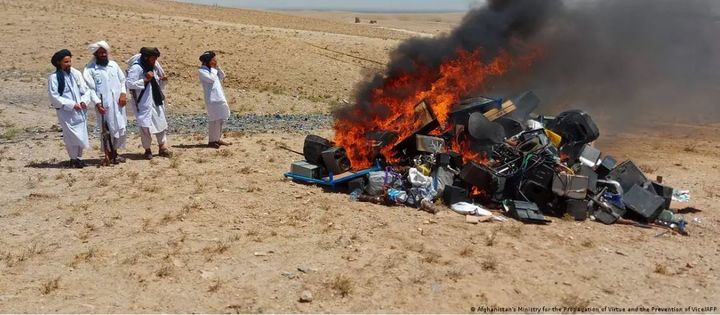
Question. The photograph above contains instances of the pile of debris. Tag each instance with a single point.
(495, 154)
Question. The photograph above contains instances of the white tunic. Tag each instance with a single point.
(147, 114)
(215, 102)
(107, 83)
(73, 122)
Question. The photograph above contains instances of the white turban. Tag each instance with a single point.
(95, 46)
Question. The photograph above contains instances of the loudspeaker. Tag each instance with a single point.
(313, 148)
(578, 209)
(592, 178)
(477, 175)
(663, 191)
(336, 160)
(627, 174)
(454, 194)
(641, 202)
(575, 127)
(606, 165)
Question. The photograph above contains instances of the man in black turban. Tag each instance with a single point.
(211, 77)
(69, 95)
(144, 81)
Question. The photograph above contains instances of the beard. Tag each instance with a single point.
(102, 61)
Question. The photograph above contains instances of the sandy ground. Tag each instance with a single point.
(222, 231)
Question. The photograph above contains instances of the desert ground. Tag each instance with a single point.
(221, 231)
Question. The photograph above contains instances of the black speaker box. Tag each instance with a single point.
(643, 203)
(336, 160)
(575, 127)
(578, 209)
(663, 191)
(606, 165)
(454, 194)
(477, 175)
(592, 178)
(313, 148)
(628, 174)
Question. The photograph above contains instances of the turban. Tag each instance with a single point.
(59, 56)
(55, 60)
(101, 44)
(150, 52)
(207, 56)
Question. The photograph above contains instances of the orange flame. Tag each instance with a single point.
(476, 192)
(442, 88)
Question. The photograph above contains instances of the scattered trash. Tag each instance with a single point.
(470, 209)
(681, 195)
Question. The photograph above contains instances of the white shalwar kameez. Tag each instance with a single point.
(106, 84)
(215, 101)
(150, 118)
(73, 122)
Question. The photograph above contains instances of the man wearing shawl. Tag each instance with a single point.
(69, 95)
(145, 80)
(107, 84)
(211, 77)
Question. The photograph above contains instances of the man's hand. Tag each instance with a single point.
(77, 107)
(83, 105)
(100, 108)
(123, 100)
(165, 78)
(149, 75)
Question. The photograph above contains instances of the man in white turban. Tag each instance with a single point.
(107, 83)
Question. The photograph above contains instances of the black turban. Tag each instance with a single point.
(58, 56)
(55, 60)
(207, 56)
(149, 52)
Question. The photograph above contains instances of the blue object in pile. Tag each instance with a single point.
(331, 180)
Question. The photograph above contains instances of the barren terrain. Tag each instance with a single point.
(222, 230)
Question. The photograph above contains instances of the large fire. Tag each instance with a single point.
(441, 88)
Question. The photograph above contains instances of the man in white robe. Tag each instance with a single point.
(145, 82)
(107, 83)
(69, 95)
(211, 77)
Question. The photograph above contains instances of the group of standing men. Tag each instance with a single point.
(104, 85)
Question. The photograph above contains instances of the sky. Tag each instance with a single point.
(357, 5)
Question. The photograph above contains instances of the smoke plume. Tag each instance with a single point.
(621, 59)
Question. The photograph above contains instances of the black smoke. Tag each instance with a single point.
(620, 59)
(629, 60)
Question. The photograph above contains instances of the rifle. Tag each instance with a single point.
(106, 137)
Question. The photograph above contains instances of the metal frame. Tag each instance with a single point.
(331, 181)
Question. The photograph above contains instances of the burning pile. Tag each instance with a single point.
(419, 132)
(498, 154)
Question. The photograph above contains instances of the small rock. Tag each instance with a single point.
(289, 275)
(620, 253)
(302, 269)
(689, 265)
(306, 297)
